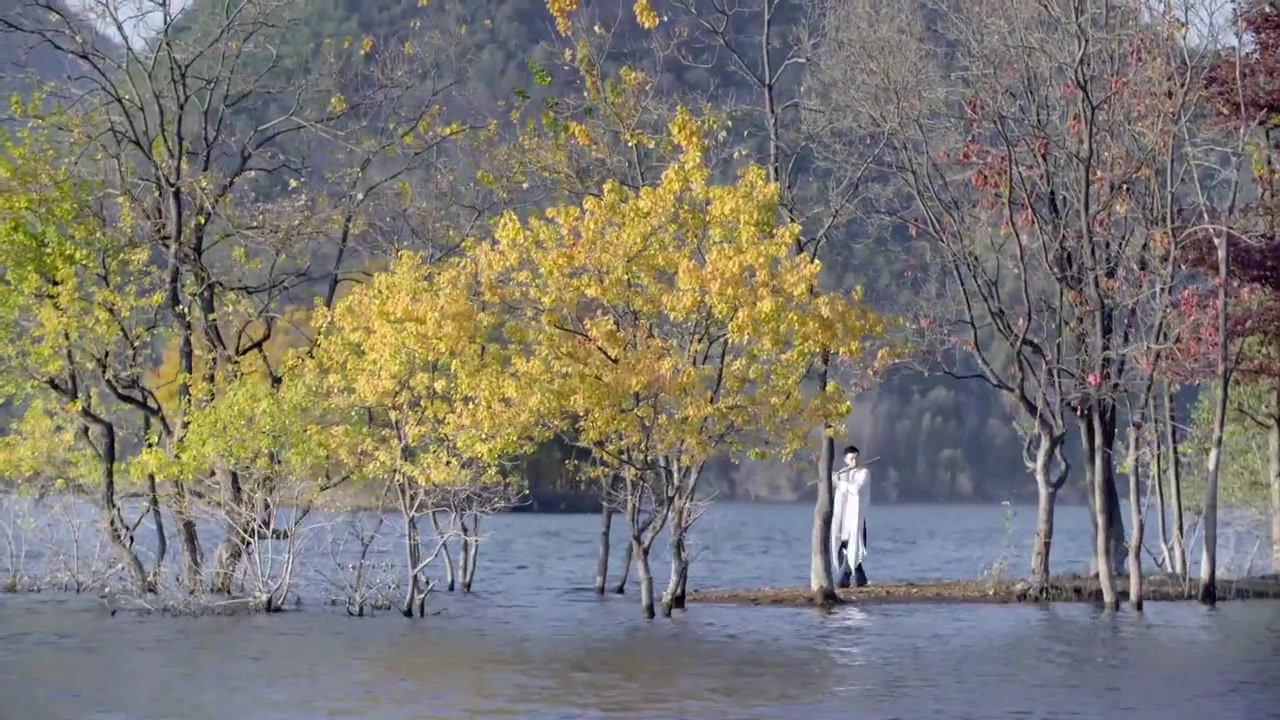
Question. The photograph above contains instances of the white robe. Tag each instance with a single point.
(852, 498)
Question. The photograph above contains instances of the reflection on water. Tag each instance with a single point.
(64, 658)
(531, 643)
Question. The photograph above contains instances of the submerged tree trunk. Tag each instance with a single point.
(602, 555)
(162, 538)
(643, 532)
(1102, 525)
(413, 596)
(188, 539)
(674, 598)
(1115, 516)
(621, 587)
(1135, 520)
(1157, 482)
(188, 535)
(230, 550)
(157, 517)
(1273, 433)
(471, 556)
(450, 577)
(1178, 538)
(1209, 548)
(113, 525)
(641, 555)
(1209, 545)
(1104, 499)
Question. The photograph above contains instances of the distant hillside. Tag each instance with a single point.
(27, 61)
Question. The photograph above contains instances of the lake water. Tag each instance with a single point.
(533, 642)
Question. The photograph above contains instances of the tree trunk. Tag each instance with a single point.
(602, 556)
(413, 562)
(1209, 547)
(1115, 516)
(113, 524)
(162, 538)
(449, 575)
(1274, 435)
(1104, 505)
(641, 555)
(674, 595)
(821, 582)
(189, 539)
(1179, 536)
(157, 517)
(192, 552)
(230, 550)
(473, 553)
(464, 559)
(621, 587)
(682, 589)
(1047, 488)
(1157, 480)
(1135, 521)
(1102, 525)
(1046, 502)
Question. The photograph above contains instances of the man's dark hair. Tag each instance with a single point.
(851, 449)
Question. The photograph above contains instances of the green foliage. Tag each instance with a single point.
(1245, 473)
(76, 306)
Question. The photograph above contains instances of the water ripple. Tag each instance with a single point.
(532, 643)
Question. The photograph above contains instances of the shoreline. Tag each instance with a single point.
(1157, 588)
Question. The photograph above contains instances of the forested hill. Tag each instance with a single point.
(932, 438)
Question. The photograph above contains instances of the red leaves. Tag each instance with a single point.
(1194, 326)
(1075, 126)
(1136, 55)
(973, 110)
(1256, 79)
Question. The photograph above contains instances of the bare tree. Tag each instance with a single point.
(463, 506)
(365, 583)
(1040, 152)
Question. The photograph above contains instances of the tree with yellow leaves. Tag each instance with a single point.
(764, 51)
(417, 394)
(561, 10)
(604, 122)
(77, 317)
(671, 323)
